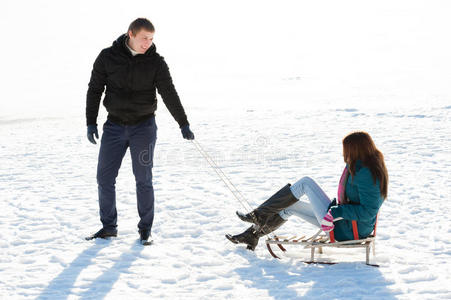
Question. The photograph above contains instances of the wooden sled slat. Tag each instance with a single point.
(320, 242)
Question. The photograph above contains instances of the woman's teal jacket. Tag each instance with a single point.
(364, 198)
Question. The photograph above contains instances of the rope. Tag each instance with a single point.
(236, 193)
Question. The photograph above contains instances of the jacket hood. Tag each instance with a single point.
(120, 46)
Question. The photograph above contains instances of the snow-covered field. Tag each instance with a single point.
(270, 91)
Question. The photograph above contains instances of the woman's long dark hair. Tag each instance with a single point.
(360, 146)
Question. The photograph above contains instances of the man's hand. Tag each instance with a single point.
(187, 133)
(92, 130)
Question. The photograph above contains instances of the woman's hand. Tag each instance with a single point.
(327, 223)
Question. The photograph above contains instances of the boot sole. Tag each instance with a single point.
(146, 242)
(244, 219)
(89, 238)
(230, 238)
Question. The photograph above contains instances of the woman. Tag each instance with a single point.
(362, 189)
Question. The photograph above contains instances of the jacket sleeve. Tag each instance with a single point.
(96, 87)
(170, 97)
(369, 196)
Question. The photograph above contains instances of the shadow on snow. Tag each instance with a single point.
(60, 287)
(342, 281)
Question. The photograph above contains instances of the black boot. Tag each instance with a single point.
(252, 217)
(254, 233)
(248, 237)
(273, 224)
(102, 234)
(277, 202)
(145, 237)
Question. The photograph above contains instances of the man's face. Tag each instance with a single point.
(141, 41)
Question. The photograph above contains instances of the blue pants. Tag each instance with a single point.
(116, 139)
(312, 211)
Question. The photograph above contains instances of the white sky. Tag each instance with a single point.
(353, 53)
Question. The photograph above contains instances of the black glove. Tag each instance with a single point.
(187, 133)
(92, 130)
(333, 203)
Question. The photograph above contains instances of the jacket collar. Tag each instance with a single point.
(120, 45)
(358, 165)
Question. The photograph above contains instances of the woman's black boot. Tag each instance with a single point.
(249, 237)
(254, 233)
(277, 202)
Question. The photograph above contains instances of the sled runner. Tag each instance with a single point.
(320, 240)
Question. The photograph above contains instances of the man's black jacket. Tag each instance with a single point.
(131, 83)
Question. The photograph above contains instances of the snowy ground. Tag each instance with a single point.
(49, 204)
(265, 124)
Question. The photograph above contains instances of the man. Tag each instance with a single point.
(131, 70)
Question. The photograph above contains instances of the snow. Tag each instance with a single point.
(270, 90)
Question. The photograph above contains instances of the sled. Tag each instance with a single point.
(321, 240)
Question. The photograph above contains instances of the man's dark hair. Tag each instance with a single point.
(140, 23)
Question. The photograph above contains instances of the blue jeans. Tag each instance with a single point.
(116, 139)
(312, 211)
